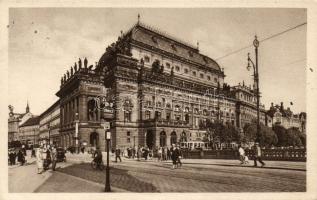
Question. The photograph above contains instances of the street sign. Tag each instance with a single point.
(108, 135)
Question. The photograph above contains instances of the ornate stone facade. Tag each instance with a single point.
(162, 91)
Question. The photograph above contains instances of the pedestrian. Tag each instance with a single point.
(174, 155)
(129, 152)
(139, 152)
(179, 162)
(53, 157)
(21, 158)
(33, 153)
(118, 153)
(39, 160)
(258, 155)
(14, 155)
(159, 157)
(97, 157)
(241, 155)
(168, 152)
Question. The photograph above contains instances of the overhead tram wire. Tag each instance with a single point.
(270, 37)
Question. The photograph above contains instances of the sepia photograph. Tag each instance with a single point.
(157, 100)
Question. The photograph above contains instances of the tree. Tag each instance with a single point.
(281, 134)
(225, 133)
(267, 137)
(303, 139)
(293, 137)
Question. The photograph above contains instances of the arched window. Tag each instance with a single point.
(173, 138)
(162, 139)
(183, 137)
(196, 111)
(186, 110)
(205, 112)
(92, 110)
(127, 116)
(177, 108)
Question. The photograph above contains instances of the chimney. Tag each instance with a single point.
(282, 107)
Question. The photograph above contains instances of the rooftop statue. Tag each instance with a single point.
(71, 71)
(79, 63)
(85, 62)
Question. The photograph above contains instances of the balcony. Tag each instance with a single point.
(166, 123)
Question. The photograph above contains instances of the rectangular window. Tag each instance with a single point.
(147, 114)
(128, 133)
(127, 116)
(168, 116)
(157, 115)
(128, 140)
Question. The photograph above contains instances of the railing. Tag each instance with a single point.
(267, 154)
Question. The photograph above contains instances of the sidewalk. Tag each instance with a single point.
(24, 179)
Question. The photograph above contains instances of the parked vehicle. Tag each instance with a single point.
(60, 155)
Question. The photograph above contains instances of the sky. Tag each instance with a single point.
(45, 42)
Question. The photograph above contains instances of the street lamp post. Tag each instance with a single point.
(256, 81)
(76, 132)
(107, 185)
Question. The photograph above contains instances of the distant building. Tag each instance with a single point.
(15, 120)
(49, 124)
(286, 118)
(246, 106)
(29, 130)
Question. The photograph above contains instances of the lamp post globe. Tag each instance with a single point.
(256, 42)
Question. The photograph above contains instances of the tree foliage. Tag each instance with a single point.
(267, 137)
(223, 133)
(281, 134)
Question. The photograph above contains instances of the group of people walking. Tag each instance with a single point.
(45, 155)
(257, 155)
(17, 156)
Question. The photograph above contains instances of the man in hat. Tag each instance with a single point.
(98, 156)
(257, 154)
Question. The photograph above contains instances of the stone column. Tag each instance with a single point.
(82, 109)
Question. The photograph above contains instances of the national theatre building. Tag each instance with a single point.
(161, 90)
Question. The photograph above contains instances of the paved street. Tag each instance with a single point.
(151, 176)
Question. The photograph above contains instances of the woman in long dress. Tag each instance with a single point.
(39, 160)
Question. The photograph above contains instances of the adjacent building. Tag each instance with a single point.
(15, 120)
(49, 124)
(29, 131)
(278, 115)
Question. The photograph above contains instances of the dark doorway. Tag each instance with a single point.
(94, 139)
(150, 139)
